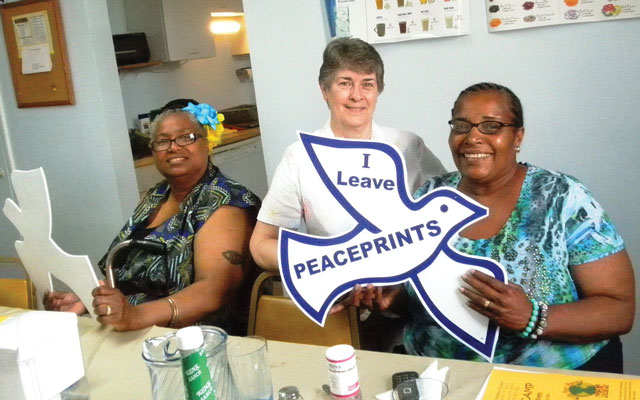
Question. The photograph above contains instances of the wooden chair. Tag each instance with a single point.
(17, 293)
(276, 317)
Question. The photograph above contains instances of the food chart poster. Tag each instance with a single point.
(504, 15)
(380, 21)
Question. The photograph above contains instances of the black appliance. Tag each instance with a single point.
(131, 48)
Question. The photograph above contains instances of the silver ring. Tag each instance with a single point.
(486, 303)
(108, 310)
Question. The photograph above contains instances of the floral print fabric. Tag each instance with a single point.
(146, 276)
(555, 226)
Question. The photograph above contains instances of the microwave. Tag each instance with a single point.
(131, 48)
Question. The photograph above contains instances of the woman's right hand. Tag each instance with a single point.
(380, 298)
(63, 301)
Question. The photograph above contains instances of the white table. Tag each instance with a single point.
(115, 369)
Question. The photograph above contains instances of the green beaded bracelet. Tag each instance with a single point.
(532, 321)
(542, 322)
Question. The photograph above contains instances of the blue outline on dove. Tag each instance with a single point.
(394, 239)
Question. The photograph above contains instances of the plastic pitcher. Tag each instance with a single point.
(163, 361)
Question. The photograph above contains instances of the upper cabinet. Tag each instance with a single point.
(239, 43)
(175, 30)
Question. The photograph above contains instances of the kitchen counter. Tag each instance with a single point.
(239, 157)
(227, 138)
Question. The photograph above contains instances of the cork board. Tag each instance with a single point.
(34, 37)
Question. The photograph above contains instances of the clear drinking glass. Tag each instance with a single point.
(163, 361)
(250, 365)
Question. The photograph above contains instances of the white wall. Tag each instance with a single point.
(209, 80)
(83, 148)
(578, 84)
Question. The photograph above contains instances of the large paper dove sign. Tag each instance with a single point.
(40, 254)
(395, 239)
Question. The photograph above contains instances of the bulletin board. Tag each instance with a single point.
(34, 37)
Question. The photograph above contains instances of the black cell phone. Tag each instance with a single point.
(408, 391)
(403, 376)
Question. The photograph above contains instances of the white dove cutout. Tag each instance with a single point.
(394, 239)
(40, 255)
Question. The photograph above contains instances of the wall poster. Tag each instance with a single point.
(379, 21)
(504, 15)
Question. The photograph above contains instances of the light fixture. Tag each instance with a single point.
(226, 14)
(225, 23)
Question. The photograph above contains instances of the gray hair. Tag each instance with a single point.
(352, 54)
(163, 115)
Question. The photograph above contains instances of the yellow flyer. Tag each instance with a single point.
(517, 385)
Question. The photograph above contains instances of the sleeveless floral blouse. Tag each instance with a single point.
(146, 276)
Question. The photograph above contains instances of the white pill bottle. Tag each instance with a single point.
(343, 372)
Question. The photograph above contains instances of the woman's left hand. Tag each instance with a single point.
(505, 304)
(112, 307)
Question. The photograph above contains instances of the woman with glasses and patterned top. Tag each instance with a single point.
(202, 219)
(571, 284)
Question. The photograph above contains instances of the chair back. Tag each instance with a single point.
(17, 293)
(276, 317)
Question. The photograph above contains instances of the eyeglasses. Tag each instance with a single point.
(486, 127)
(182, 140)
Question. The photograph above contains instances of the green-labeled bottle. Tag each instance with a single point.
(197, 378)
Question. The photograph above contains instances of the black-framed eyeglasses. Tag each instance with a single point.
(182, 140)
(486, 127)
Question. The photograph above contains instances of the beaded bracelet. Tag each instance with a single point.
(532, 321)
(542, 322)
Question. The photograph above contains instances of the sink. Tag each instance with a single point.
(244, 115)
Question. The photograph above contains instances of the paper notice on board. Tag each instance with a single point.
(31, 30)
(36, 59)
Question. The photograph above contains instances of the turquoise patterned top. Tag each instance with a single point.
(145, 276)
(556, 225)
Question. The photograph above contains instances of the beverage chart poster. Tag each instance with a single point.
(504, 15)
(380, 21)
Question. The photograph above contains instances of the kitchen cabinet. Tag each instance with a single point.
(175, 30)
(239, 43)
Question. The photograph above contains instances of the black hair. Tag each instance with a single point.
(178, 103)
(514, 102)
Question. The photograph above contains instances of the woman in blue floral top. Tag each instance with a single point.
(203, 219)
(571, 285)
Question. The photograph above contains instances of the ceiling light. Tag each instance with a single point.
(226, 14)
(224, 27)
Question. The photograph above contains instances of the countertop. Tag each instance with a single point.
(227, 138)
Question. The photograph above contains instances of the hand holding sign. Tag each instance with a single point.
(395, 239)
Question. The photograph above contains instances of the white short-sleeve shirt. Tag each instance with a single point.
(297, 195)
